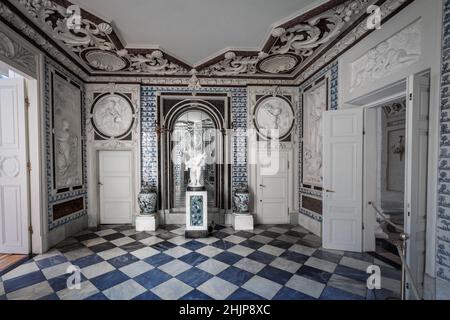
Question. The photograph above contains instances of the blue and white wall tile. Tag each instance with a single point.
(443, 218)
(149, 144)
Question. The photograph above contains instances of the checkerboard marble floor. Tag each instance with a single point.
(271, 262)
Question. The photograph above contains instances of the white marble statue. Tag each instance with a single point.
(196, 164)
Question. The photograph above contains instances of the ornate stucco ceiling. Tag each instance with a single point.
(291, 46)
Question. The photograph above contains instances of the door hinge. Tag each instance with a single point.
(30, 229)
(288, 165)
(27, 102)
(410, 97)
(29, 166)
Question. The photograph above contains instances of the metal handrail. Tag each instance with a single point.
(386, 219)
(401, 248)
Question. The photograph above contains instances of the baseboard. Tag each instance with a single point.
(313, 226)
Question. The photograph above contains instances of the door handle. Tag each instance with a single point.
(262, 186)
(330, 191)
(100, 184)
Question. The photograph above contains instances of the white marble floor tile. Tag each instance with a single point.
(217, 288)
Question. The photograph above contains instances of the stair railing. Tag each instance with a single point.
(401, 246)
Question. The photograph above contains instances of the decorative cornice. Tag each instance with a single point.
(295, 50)
(387, 9)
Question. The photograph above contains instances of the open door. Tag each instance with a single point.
(342, 179)
(14, 214)
(416, 177)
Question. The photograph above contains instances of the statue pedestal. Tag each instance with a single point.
(196, 213)
(243, 222)
(146, 223)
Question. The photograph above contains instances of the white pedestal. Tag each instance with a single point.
(196, 214)
(146, 223)
(243, 222)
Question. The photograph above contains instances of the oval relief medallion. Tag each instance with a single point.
(105, 60)
(281, 63)
(113, 116)
(273, 113)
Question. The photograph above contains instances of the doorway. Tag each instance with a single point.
(273, 191)
(376, 175)
(19, 167)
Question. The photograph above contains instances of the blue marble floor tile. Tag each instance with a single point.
(286, 293)
(50, 297)
(193, 245)
(122, 261)
(351, 273)
(228, 257)
(262, 257)
(252, 244)
(275, 274)
(222, 244)
(294, 256)
(314, 274)
(193, 258)
(87, 261)
(159, 259)
(330, 293)
(194, 277)
(23, 281)
(60, 283)
(97, 297)
(235, 276)
(108, 280)
(152, 278)
(163, 246)
(148, 295)
(50, 262)
(196, 295)
(242, 295)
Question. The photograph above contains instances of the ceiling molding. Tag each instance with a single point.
(295, 49)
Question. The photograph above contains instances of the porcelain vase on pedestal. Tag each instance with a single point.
(147, 220)
(242, 219)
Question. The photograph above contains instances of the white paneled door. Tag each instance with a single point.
(116, 187)
(416, 177)
(14, 209)
(342, 179)
(273, 192)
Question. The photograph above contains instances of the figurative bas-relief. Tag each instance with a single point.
(401, 50)
(67, 130)
(113, 116)
(315, 102)
(274, 116)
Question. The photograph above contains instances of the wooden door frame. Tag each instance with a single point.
(134, 210)
(255, 179)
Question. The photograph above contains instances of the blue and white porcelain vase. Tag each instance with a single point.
(147, 200)
(241, 200)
